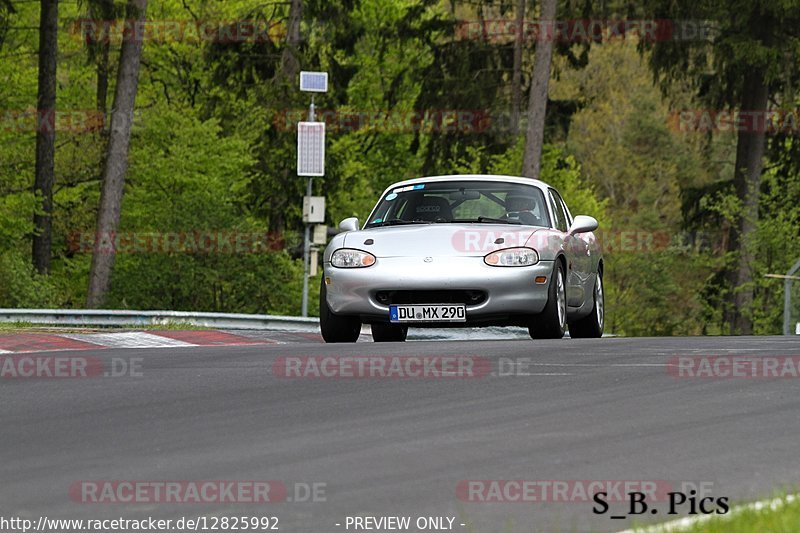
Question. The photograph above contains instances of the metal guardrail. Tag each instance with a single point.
(106, 318)
(101, 317)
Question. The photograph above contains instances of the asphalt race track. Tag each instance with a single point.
(606, 409)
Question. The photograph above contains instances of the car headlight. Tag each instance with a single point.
(512, 257)
(348, 258)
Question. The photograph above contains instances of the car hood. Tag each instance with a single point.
(439, 240)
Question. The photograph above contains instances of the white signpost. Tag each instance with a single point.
(311, 163)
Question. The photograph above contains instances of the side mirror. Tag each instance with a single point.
(350, 224)
(583, 224)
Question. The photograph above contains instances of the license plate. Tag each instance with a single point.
(428, 313)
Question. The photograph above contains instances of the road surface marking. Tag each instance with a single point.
(132, 339)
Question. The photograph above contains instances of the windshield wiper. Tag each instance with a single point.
(489, 220)
(397, 222)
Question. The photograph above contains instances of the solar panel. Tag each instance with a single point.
(310, 148)
(316, 82)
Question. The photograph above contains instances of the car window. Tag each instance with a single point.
(561, 201)
(558, 211)
(482, 206)
(392, 210)
(427, 207)
(462, 201)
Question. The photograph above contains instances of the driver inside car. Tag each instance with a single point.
(522, 208)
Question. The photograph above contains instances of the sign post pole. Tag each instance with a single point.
(311, 163)
(306, 259)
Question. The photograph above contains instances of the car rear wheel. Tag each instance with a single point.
(336, 328)
(551, 323)
(591, 326)
(389, 332)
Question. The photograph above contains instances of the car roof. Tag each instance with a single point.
(472, 177)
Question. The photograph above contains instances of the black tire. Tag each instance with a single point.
(551, 323)
(591, 326)
(336, 328)
(389, 332)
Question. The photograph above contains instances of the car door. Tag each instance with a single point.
(576, 250)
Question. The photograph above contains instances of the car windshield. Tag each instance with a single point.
(448, 202)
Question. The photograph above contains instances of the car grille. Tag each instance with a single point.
(467, 296)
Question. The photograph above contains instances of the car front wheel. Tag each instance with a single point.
(551, 323)
(336, 328)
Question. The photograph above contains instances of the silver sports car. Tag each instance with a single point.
(467, 250)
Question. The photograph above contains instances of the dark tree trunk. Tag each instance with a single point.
(516, 79)
(45, 135)
(289, 60)
(747, 181)
(116, 161)
(6, 10)
(537, 100)
(105, 9)
(102, 79)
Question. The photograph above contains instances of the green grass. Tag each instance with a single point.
(13, 326)
(171, 326)
(29, 327)
(783, 517)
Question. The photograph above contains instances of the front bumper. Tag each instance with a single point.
(510, 291)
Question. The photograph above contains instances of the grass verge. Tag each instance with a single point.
(778, 515)
(29, 327)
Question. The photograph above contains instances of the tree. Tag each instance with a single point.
(537, 98)
(45, 134)
(743, 63)
(116, 160)
(101, 12)
(6, 10)
(747, 183)
(746, 62)
(289, 60)
(627, 152)
(516, 75)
